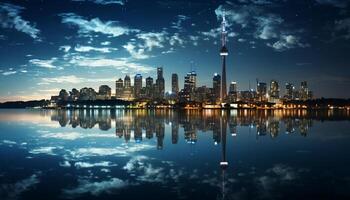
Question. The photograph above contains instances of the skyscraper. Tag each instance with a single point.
(174, 84)
(190, 84)
(137, 85)
(233, 91)
(160, 83)
(149, 87)
(223, 54)
(104, 91)
(261, 90)
(289, 91)
(127, 93)
(303, 93)
(119, 88)
(274, 90)
(216, 87)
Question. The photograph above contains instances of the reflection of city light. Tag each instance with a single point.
(234, 134)
(215, 143)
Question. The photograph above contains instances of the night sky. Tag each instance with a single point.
(52, 44)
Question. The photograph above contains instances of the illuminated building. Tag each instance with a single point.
(160, 84)
(104, 92)
(149, 87)
(127, 92)
(174, 84)
(190, 85)
(290, 91)
(274, 93)
(137, 85)
(119, 88)
(216, 87)
(261, 90)
(233, 92)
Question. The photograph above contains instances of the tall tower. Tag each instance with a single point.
(223, 54)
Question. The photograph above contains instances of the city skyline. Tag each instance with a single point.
(98, 47)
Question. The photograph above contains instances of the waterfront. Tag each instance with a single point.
(169, 154)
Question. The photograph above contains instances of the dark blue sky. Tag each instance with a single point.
(51, 44)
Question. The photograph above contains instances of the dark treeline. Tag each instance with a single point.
(25, 104)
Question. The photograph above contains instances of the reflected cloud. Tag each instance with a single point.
(13, 191)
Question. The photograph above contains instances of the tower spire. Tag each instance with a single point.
(223, 54)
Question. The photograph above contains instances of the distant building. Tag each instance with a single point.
(216, 87)
(174, 84)
(304, 91)
(261, 90)
(274, 92)
(232, 94)
(149, 87)
(137, 85)
(104, 92)
(160, 84)
(128, 90)
(119, 88)
(87, 94)
(190, 85)
(290, 91)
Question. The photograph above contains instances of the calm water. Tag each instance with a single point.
(104, 154)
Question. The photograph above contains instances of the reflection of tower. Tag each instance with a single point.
(223, 163)
(223, 54)
(223, 126)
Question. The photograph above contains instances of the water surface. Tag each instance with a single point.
(140, 154)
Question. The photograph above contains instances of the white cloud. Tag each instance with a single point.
(105, 2)
(10, 18)
(120, 64)
(136, 53)
(95, 25)
(13, 191)
(80, 48)
(89, 165)
(96, 188)
(45, 150)
(287, 42)
(105, 43)
(268, 27)
(175, 39)
(75, 135)
(63, 79)
(178, 23)
(343, 25)
(65, 164)
(9, 73)
(44, 63)
(117, 151)
(65, 48)
(152, 39)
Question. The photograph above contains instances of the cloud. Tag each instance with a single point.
(65, 48)
(120, 64)
(80, 48)
(63, 79)
(267, 27)
(105, 2)
(117, 151)
(178, 23)
(175, 39)
(89, 165)
(45, 63)
(335, 3)
(105, 43)
(10, 18)
(152, 39)
(287, 42)
(75, 135)
(96, 188)
(95, 25)
(343, 25)
(45, 150)
(9, 73)
(13, 191)
(135, 52)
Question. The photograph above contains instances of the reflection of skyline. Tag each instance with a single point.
(139, 125)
